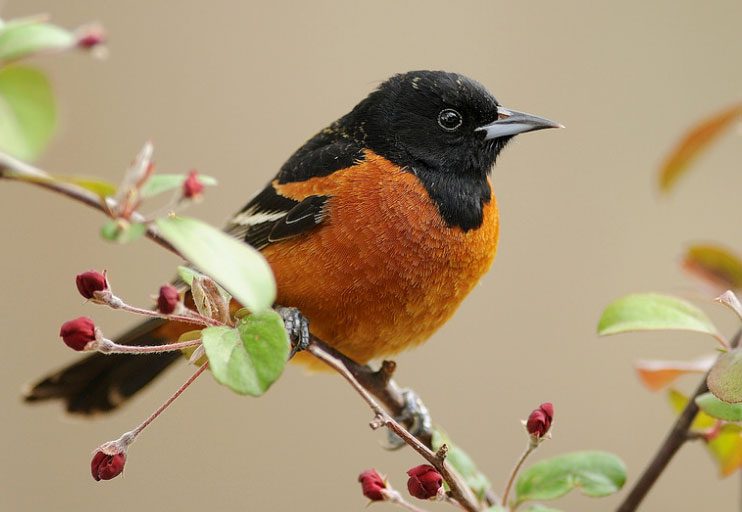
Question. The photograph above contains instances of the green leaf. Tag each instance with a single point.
(21, 40)
(239, 268)
(250, 357)
(188, 352)
(594, 473)
(159, 183)
(187, 274)
(27, 111)
(652, 312)
(101, 188)
(725, 377)
(540, 508)
(121, 231)
(461, 461)
(712, 406)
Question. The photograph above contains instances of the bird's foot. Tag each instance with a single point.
(297, 327)
(415, 416)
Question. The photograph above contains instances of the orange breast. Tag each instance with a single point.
(383, 271)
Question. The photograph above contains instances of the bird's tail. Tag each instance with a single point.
(100, 383)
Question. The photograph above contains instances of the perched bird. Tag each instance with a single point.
(376, 229)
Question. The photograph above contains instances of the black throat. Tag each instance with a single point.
(460, 198)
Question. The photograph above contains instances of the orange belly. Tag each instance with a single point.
(383, 271)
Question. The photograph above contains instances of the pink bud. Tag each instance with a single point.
(192, 186)
(168, 299)
(425, 482)
(105, 467)
(90, 282)
(77, 333)
(90, 37)
(372, 484)
(539, 422)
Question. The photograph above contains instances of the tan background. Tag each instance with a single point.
(232, 88)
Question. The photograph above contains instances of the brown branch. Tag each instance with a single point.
(459, 491)
(14, 169)
(363, 378)
(677, 436)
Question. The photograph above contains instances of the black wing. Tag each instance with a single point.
(270, 217)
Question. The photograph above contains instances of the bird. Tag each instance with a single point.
(375, 229)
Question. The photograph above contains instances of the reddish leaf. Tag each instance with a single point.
(694, 142)
(715, 265)
(656, 374)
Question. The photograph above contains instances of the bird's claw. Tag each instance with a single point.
(297, 327)
(415, 416)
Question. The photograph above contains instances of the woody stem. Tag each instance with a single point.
(677, 436)
(460, 491)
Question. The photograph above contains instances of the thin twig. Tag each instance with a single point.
(170, 400)
(677, 436)
(106, 346)
(531, 446)
(459, 491)
(190, 317)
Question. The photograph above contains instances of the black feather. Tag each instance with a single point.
(270, 217)
(302, 217)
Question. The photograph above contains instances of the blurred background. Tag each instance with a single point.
(232, 89)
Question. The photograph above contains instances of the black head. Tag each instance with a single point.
(436, 121)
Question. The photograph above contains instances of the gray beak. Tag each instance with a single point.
(511, 122)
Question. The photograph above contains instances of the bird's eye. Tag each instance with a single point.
(449, 119)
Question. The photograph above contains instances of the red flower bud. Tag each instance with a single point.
(105, 467)
(167, 300)
(372, 485)
(77, 333)
(91, 37)
(424, 482)
(192, 186)
(539, 422)
(90, 282)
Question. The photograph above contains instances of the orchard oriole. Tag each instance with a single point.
(375, 229)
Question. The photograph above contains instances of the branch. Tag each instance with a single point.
(14, 169)
(363, 378)
(677, 436)
(459, 491)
